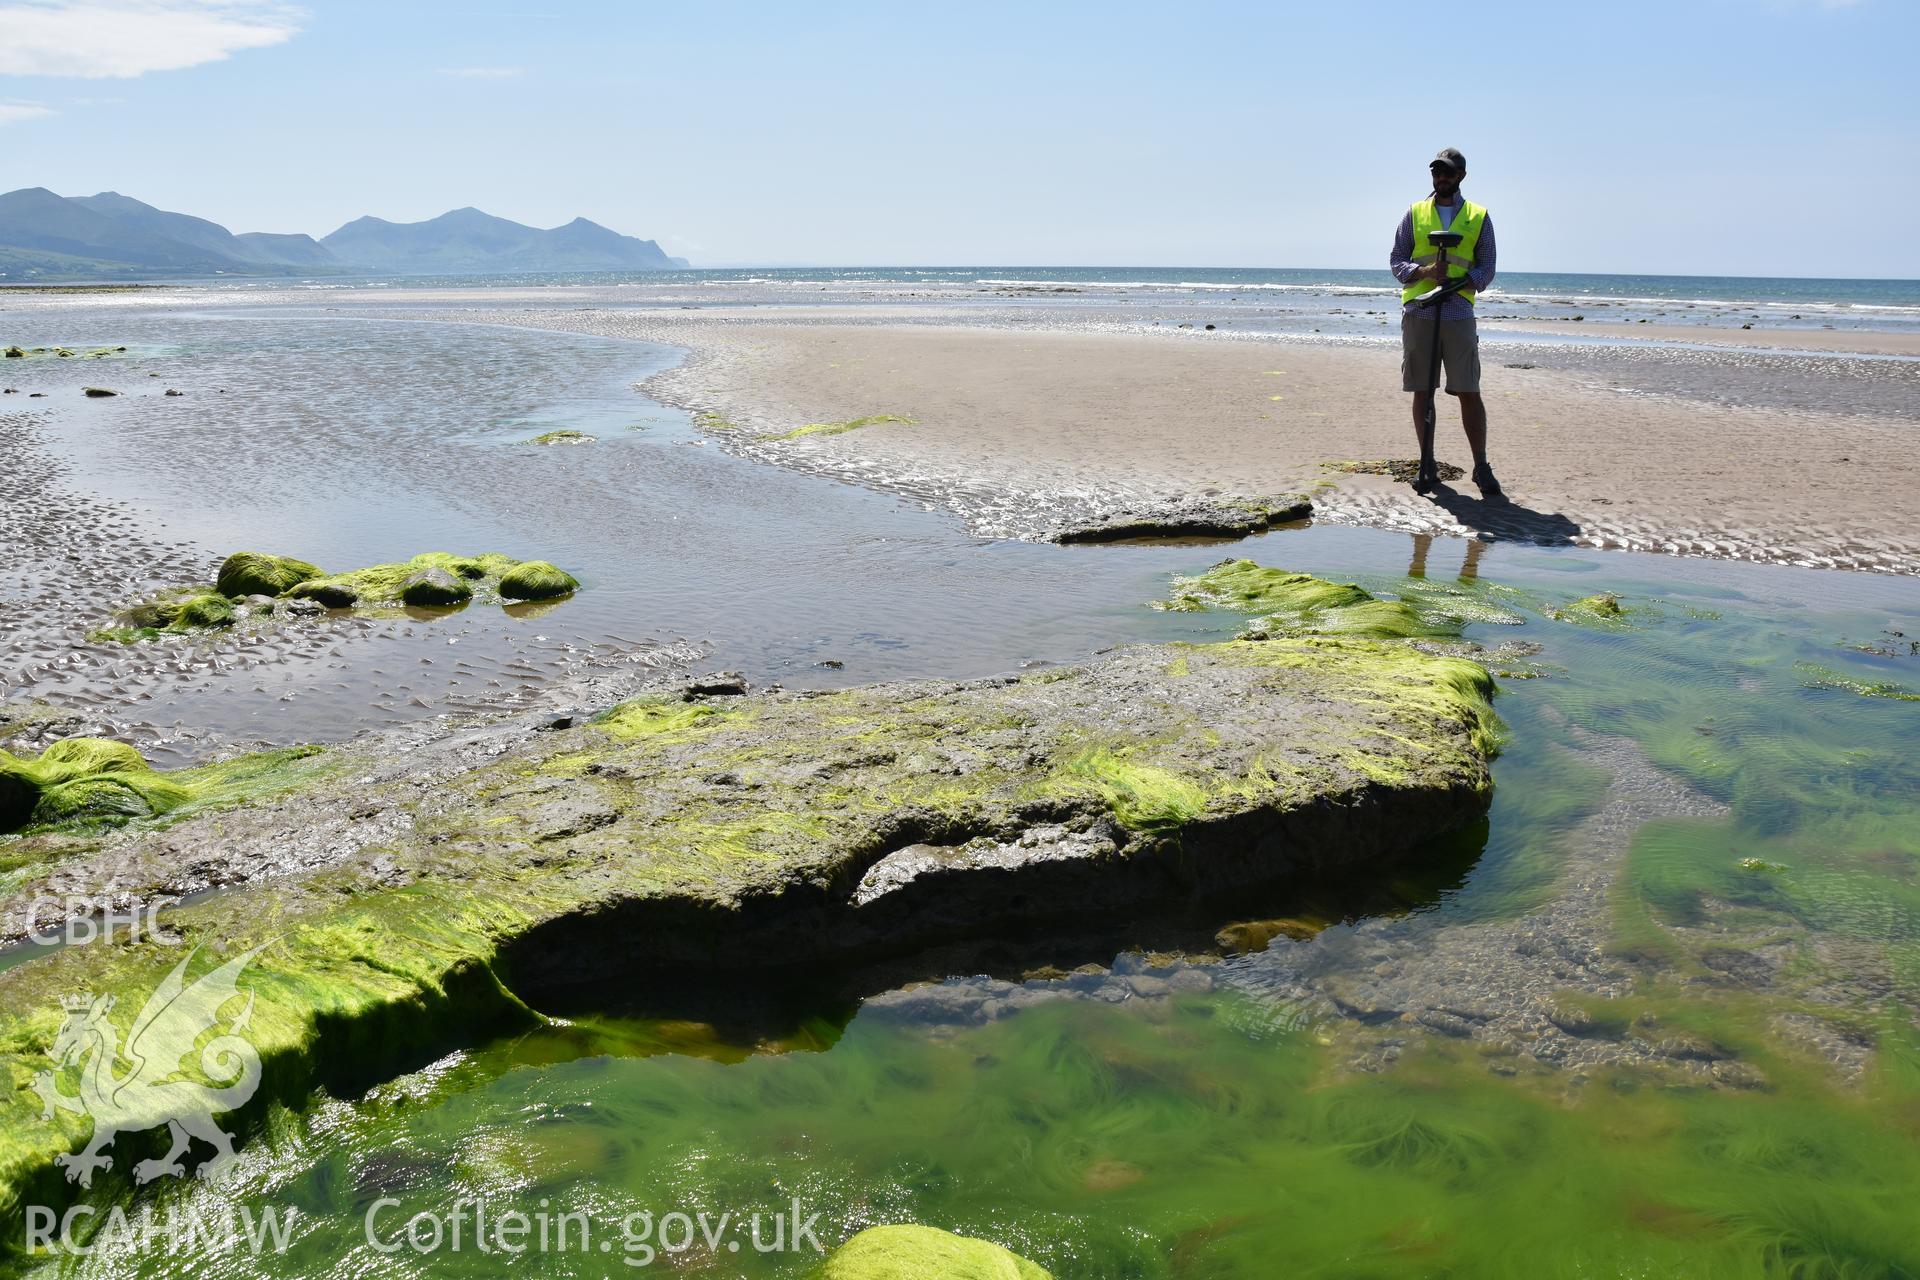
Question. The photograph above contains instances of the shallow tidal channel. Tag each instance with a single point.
(1655, 1016)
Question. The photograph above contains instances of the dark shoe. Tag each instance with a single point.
(1489, 487)
(1428, 477)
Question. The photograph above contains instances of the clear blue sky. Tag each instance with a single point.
(1762, 137)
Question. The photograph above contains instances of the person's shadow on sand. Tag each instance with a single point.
(1504, 520)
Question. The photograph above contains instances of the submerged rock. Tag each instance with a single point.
(1300, 604)
(1602, 608)
(563, 437)
(909, 1252)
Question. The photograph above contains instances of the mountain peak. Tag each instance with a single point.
(113, 236)
(472, 241)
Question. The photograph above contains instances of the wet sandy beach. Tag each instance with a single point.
(1596, 446)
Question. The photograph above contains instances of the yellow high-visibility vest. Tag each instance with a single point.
(1467, 220)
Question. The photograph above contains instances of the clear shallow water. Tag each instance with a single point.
(350, 441)
(1228, 1132)
(1220, 1132)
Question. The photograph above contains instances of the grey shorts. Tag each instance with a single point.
(1459, 352)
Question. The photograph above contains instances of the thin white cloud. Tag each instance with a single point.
(107, 39)
(483, 73)
(15, 112)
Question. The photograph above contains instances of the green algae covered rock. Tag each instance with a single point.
(92, 800)
(432, 586)
(1301, 604)
(536, 580)
(182, 609)
(252, 573)
(1599, 609)
(94, 780)
(563, 437)
(388, 908)
(841, 428)
(432, 579)
(333, 591)
(924, 1253)
(78, 779)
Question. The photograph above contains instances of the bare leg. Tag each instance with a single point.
(1422, 543)
(1420, 399)
(1470, 563)
(1473, 416)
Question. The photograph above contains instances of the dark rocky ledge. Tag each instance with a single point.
(420, 892)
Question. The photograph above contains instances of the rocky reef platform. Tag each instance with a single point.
(417, 890)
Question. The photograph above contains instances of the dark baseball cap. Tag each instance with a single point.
(1451, 158)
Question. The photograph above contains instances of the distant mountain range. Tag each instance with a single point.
(47, 237)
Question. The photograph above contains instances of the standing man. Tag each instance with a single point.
(1421, 268)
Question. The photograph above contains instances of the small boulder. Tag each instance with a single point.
(15, 353)
(432, 587)
(181, 609)
(204, 610)
(328, 593)
(910, 1252)
(90, 799)
(172, 392)
(97, 393)
(723, 683)
(536, 580)
(247, 573)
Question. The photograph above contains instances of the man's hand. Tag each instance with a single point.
(1434, 271)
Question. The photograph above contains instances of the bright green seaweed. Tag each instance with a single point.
(432, 579)
(92, 781)
(1221, 1135)
(841, 428)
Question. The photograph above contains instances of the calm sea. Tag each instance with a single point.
(1340, 295)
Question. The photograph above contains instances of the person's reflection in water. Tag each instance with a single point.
(1469, 562)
